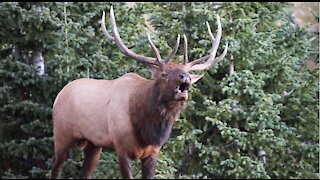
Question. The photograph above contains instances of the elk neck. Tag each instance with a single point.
(152, 114)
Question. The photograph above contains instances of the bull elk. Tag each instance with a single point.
(131, 115)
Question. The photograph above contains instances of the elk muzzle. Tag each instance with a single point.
(181, 91)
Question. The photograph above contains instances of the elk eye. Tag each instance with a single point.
(164, 74)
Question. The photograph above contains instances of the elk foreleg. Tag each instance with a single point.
(148, 166)
(91, 159)
(125, 166)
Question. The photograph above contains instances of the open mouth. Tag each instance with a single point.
(182, 91)
(183, 87)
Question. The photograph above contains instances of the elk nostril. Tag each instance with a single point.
(181, 76)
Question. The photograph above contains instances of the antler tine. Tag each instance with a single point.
(104, 29)
(116, 38)
(211, 57)
(155, 50)
(185, 50)
(174, 50)
(218, 59)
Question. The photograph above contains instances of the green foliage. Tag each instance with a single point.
(270, 103)
(237, 115)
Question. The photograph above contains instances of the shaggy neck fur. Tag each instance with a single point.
(153, 114)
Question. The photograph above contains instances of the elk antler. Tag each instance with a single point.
(116, 38)
(211, 60)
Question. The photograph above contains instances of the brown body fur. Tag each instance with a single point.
(127, 115)
(131, 115)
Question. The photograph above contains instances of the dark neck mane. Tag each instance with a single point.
(152, 116)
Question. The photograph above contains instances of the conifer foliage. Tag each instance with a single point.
(258, 121)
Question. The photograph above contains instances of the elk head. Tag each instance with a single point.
(133, 116)
(164, 71)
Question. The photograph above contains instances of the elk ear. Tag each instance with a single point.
(155, 70)
(195, 78)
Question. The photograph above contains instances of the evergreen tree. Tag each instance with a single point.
(260, 121)
(72, 46)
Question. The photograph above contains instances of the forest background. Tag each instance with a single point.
(259, 121)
